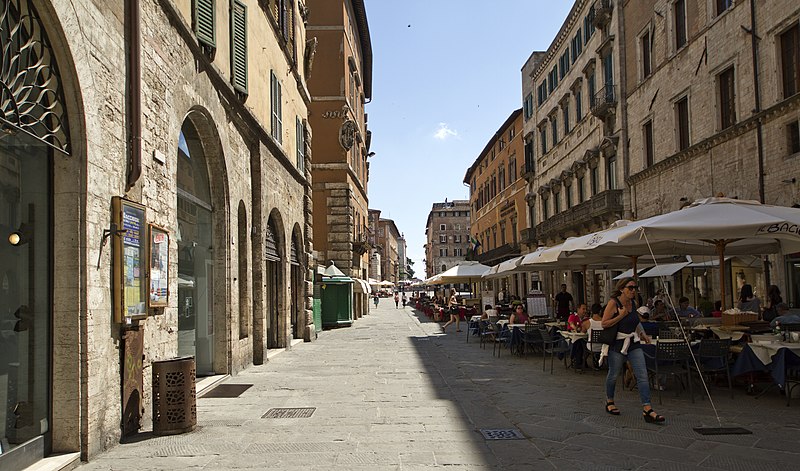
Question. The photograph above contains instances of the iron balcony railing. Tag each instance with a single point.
(604, 101)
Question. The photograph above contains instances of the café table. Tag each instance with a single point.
(768, 353)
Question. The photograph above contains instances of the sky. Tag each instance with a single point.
(445, 76)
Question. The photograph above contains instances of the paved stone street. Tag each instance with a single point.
(392, 393)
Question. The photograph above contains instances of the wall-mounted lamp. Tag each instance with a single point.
(21, 236)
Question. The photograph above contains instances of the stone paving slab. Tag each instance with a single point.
(394, 393)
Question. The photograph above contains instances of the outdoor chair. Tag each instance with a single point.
(672, 360)
(552, 346)
(792, 381)
(487, 331)
(593, 348)
(531, 338)
(713, 356)
(503, 339)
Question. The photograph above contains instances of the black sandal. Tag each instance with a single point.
(613, 410)
(651, 417)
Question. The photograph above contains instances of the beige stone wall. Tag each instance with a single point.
(245, 165)
(454, 226)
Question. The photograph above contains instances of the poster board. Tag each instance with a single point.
(537, 304)
(158, 274)
(128, 262)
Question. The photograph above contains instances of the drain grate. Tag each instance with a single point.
(289, 413)
(502, 434)
(227, 390)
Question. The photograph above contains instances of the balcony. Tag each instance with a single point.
(363, 244)
(602, 13)
(500, 254)
(600, 210)
(604, 102)
(528, 237)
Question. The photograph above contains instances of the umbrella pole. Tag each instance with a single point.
(585, 294)
(720, 245)
(634, 260)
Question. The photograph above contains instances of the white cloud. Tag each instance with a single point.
(444, 132)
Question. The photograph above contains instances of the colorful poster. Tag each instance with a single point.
(159, 267)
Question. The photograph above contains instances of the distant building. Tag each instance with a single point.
(387, 240)
(447, 234)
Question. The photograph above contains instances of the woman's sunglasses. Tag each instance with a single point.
(632, 287)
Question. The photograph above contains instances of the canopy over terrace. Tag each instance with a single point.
(465, 272)
(721, 225)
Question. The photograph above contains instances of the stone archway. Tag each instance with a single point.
(297, 290)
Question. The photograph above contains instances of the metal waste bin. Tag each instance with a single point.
(174, 399)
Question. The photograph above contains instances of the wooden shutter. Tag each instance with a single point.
(239, 46)
(271, 253)
(300, 138)
(293, 254)
(275, 99)
(204, 22)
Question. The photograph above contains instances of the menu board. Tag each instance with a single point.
(130, 288)
(158, 275)
(537, 305)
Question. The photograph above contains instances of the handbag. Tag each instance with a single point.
(608, 335)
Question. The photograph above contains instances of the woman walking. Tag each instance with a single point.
(621, 312)
(452, 307)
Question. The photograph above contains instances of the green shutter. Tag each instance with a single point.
(239, 46)
(300, 138)
(204, 14)
(275, 102)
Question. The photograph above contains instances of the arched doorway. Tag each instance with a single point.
(195, 236)
(274, 281)
(295, 260)
(34, 138)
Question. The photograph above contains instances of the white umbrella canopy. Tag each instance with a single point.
(465, 272)
(506, 268)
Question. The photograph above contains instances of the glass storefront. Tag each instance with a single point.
(195, 263)
(25, 294)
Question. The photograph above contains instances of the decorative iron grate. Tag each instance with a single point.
(502, 434)
(289, 413)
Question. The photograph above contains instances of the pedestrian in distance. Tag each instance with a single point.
(396, 300)
(452, 307)
(621, 313)
(375, 298)
(405, 300)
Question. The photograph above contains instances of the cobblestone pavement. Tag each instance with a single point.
(393, 393)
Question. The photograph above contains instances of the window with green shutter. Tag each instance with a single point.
(301, 144)
(239, 46)
(275, 102)
(204, 22)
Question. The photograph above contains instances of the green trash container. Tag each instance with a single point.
(337, 301)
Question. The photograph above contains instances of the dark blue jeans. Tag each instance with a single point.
(616, 361)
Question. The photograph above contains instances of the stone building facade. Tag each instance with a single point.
(388, 241)
(713, 105)
(447, 232)
(214, 150)
(340, 86)
(577, 182)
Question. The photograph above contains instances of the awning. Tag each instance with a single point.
(358, 286)
(666, 269)
(707, 263)
(629, 273)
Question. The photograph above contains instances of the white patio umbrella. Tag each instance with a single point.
(462, 273)
(506, 268)
(722, 225)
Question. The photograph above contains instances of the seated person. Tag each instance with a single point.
(660, 312)
(518, 316)
(783, 316)
(488, 311)
(686, 311)
(644, 314)
(575, 320)
(717, 312)
(594, 319)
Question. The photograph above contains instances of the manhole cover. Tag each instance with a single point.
(502, 434)
(228, 390)
(289, 413)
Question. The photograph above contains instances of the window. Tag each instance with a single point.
(276, 127)
(556, 202)
(568, 194)
(647, 138)
(565, 113)
(578, 105)
(511, 133)
(552, 79)
(563, 63)
(512, 170)
(442, 227)
(591, 86)
(444, 267)
(442, 239)
(790, 61)
(577, 46)
(645, 51)
(682, 122)
(458, 252)
(203, 22)
(679, 16)
(723, 5)
(793, 134)
(588, 25)
(727, 98)
(543, 138)
(545, 210)
(301, 145)
(612, 172)
(529, 157)
(239, 46)
(595, 179)
(457, 239)
(443, 252)
(528, 107)
(501, 176)
(501, 144)
(541, 94)
(554, 128)
(581, 195)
